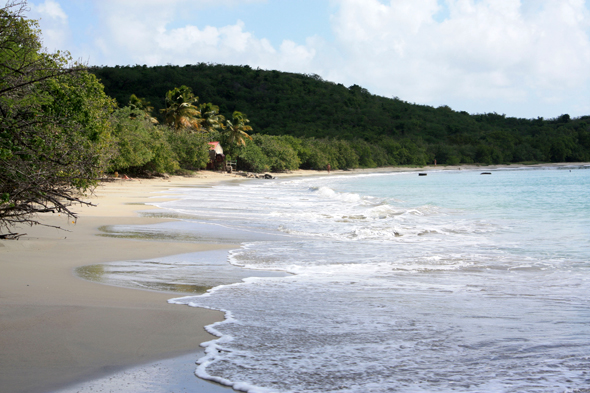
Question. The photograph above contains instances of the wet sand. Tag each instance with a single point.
(57, 329)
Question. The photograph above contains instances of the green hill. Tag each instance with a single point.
(281, 103)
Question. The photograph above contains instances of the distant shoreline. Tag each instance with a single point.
(427, 168)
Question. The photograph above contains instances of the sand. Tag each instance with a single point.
(56, 329)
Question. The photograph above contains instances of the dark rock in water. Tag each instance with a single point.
(486, 173)
(422, 174)
(262, 176)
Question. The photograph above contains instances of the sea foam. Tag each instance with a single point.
(398, 284)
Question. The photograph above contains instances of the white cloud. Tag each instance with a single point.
(54, 24)
(141, 35)
(487, 49)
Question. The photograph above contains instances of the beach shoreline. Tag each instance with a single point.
(57, 329)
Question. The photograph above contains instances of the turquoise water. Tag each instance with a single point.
(451, 282)
(549, 208)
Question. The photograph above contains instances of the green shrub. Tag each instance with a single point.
(191, 149)
(269, 153)
(253, 159)
(313, 154)
(133, 140)
(347, 156)
(164, 158)
(365, 153)
(141, 147)
(279, 152)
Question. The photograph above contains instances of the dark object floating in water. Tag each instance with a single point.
(422, 174)
(486, 173)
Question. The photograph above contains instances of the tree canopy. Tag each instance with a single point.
(236, 129)
(54, 127)
(181, 111)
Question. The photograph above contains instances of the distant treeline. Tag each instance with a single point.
(350, 124)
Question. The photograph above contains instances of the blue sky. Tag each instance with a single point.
(523, 58)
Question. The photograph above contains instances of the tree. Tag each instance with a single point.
(235, 130)
(54, 125)
(212, 120)
(191, 150)
(181, 110)
(269, 152)
(141, 108)
(134, 136)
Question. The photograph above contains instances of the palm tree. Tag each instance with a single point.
(236, 128)
(212, 120)
(142, 108)
(181, 109)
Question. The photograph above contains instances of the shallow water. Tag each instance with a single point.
(164, 376)
(195, 272)
(451, 282)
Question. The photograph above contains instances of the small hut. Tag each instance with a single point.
(216, 156)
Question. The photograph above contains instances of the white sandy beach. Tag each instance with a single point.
(56, 328)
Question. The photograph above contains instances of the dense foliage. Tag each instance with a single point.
(54, 127)
(305, 106)
(143, 148)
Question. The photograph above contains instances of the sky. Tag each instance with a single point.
(521, 58)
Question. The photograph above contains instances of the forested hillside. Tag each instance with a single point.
(305, 106)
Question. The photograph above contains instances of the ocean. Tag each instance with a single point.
(456, 281)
